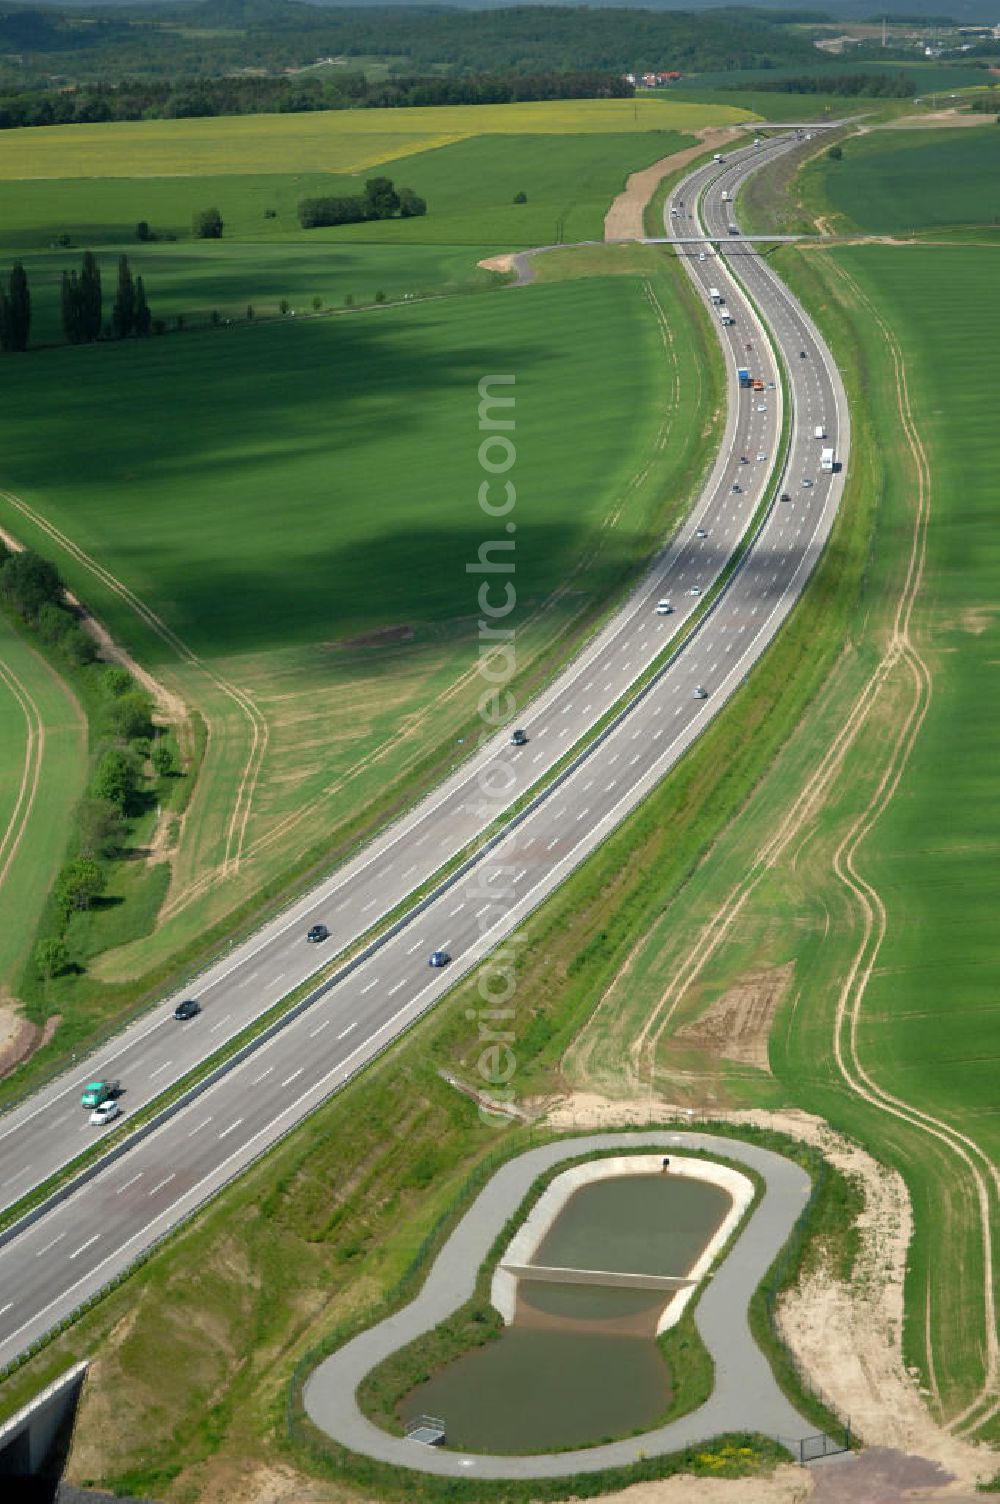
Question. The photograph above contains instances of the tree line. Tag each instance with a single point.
(121, 726)
(191, 99)
(380, 200)
(221, 37)
(15, 310)
(862, 85)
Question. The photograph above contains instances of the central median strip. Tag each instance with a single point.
(23, 1213)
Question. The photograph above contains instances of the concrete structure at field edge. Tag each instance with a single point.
(517, 1261)
(28, 1437)
(745, 1397)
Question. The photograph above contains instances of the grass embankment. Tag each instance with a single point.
(928, 1021)
(43, 762)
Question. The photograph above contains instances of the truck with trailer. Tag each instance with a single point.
(743, 376)
(827, 461)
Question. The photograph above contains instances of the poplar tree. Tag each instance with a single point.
(15, 310)
(90, 298)
(143, 317)
(123, 313)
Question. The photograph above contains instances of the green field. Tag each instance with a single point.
(267, 507)
(895, 182)
(929, 1020)
(43, 741)
(324, 141)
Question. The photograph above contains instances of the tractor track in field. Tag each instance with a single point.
(257, 722)
(31, 770)
(899, 652)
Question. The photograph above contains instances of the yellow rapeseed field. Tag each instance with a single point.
(341, 141)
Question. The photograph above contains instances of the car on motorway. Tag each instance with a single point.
(700, 532)
(802, 355)
(770, 386)
(695, 590)
(439, 958)
(737, 486)
(519, 738)
(761, 455)
(701, 255)
(96, 1092)
(762, 407)
(663, 608)
(744, 460)
(700, 692)
(105, 1112)
(189, 1008)
(317, 933)
(785, 496)
(806, 481)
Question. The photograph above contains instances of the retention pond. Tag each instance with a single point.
(580, 1362)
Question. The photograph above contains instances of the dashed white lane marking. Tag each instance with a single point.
(123, 1188)
(84, 1246)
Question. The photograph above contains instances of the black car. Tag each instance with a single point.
(187, 1009)
(802, 355)
(519, 738)
(317, 933)
(785, 496)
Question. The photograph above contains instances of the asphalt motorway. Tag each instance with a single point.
(50, 1267)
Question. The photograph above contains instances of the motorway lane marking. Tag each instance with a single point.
(8, 1307)
(320, 1028)
(583, 813)
(457, 910)
(160, 1068)
(200, 1126)
(371, 984)
(55, 1240)
(123, 1188)
(366, 907)
(220, 1023)
(256, 1079)
(420, 943)
(23, 1171)
(396, 988)
(345, 1032)
(232, 1128)
(170, 1177)
(84, 1246)
(293, 1077)
(252, 977)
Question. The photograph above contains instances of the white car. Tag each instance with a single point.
(105, 1113)
(701, 255)
(762, 407)
(761, 455)
(700, 532)
(663, 608)
(700, 692)
(695, 590)
(806, 481)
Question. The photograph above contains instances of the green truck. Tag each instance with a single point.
(96, 1092)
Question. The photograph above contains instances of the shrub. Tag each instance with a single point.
(207, 224)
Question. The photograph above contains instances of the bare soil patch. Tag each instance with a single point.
(503, 263)
(624, 220)
(935, 119)
(847, 1337)
(381, 637)
(737, 1025)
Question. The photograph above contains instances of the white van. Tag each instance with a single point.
(819, 432)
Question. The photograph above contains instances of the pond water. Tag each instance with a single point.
(580, 1364)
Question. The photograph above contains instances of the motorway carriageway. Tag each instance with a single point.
(48, 1268)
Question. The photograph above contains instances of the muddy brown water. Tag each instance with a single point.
(580, 1363)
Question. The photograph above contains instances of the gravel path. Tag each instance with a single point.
(745, 1398)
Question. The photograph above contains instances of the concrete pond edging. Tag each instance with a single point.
(745, 1397)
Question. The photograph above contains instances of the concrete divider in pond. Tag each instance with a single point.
(745, 1397)
(525, 1242)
